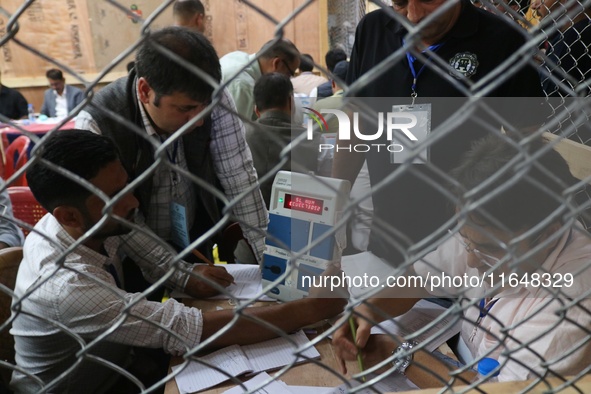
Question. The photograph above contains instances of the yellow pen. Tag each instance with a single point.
(354, 333)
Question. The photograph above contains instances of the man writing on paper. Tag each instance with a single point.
(512, 224)
(142, 111)
(70, 291)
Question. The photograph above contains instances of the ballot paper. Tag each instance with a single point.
(248, 284)
(236, 360)
(421, 315)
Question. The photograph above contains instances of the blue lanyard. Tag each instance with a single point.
(411, 59)
(175, 149)
(485, 308)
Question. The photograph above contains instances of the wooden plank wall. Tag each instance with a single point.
(86, 35)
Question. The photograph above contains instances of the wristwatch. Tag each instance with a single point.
(403, 356)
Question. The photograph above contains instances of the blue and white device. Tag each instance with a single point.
(303, 209)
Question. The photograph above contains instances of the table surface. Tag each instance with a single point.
(37, 128)
(307, 374)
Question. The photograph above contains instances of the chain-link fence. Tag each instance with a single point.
(456, 200)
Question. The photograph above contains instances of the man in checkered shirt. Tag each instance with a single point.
(75, 327)
(182, 142)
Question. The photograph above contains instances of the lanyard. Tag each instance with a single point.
(175, 149)
(411, 60)
(485, 307)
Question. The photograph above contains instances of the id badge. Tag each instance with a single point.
(179, 232)
(412, 127)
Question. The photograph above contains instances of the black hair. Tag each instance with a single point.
(334, 56)
(81, 152)
(188, 8)
(306, 63)
(282, 48)
(54, 74)
(165, 75)
(533, 197)
(273, 90)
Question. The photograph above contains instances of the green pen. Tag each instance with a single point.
(359, 359)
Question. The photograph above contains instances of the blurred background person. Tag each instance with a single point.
(60, 98)
(189, 14)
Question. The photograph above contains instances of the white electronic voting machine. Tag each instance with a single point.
(302, 209)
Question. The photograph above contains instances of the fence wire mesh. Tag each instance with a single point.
(517, 222)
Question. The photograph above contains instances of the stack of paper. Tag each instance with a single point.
(236, 360)
(274, 386)
(247, 284)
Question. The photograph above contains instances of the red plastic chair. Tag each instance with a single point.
(25, 207)
(16, 157)
(3, 145)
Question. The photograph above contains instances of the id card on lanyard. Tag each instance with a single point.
(179, 231)
(407, 144)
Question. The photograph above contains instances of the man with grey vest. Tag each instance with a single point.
(142, 112)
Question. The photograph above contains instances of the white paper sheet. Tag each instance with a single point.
(248, 283)
(197, 377)
(236, 360)
(278, 352)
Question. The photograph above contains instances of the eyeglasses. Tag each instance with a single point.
(487, 259)
(289, 70)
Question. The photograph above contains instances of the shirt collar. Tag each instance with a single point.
(255, 68)
(86, 254)
(63, 93)
(276, 114)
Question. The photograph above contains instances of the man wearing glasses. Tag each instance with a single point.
(517, 234)
(241, 71)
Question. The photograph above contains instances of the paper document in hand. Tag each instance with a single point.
(422, 314)
(248, 282)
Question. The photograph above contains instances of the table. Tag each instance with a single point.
(36, 128)
(307, 374)
(9, 133)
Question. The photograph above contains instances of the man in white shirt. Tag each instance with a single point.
(74, 323)
(60, 99)
(517, 235)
